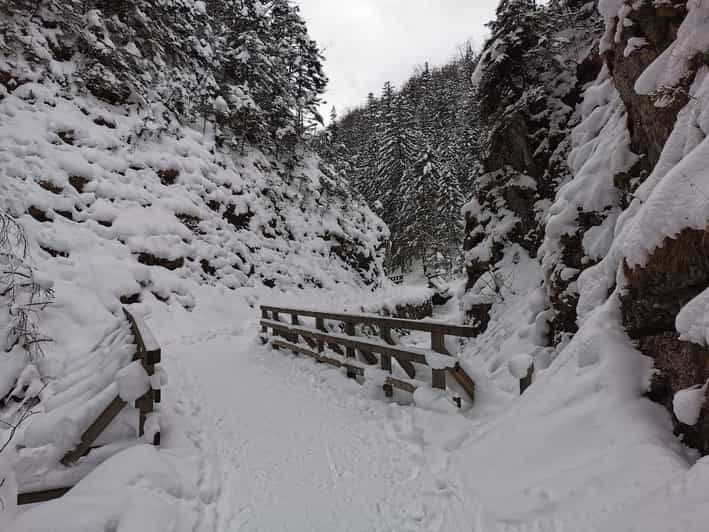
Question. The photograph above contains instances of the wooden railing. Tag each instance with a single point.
(149, 354)
(348, 345)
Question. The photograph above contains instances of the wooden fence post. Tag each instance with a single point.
(294, 321)
(264, 315)
(320, 326)
(438, 344)
(351, 352)
(385, 333)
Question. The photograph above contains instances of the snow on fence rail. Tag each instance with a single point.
(121, 380)
(437, 358)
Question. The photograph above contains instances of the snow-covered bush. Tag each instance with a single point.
(22, 294)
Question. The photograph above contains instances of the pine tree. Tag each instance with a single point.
(503, 74)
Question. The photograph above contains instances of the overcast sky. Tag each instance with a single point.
(368, 42)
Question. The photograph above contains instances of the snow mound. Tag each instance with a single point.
(138, 488)
(687, 404)
(127, 214)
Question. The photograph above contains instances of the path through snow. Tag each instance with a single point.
(299, 447)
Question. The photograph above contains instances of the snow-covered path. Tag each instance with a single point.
(298, 447)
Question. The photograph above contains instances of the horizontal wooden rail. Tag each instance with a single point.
(352, 369)
(463, 331)
(94, 431)
(392, 383)
(437, 358)
(33, 497)
(149, 354)
(410, 354)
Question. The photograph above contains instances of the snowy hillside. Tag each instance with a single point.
(121, 165)
(163, 167)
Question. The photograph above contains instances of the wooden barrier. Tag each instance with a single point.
(149, 354)
(348, 345)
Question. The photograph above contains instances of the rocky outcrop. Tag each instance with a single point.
(655, 294)
(648, 30)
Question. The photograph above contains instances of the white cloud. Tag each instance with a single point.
(368, 42)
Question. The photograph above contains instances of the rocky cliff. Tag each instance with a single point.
(622, 221)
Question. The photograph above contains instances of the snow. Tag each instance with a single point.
(519, 365)
(11, 365)
(674, 196)
(8, 492)
(687, 404)
(635, 44)
(674, 64)
(138, 489)
(133, 382)
(434, 400)
(257, 439)
(692, 322)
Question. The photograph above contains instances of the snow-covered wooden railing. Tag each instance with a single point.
(136, 380)
(438, 359)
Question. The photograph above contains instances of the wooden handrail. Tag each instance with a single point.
(149, 354)
(464, 331)
(411, 354)
(437, 358)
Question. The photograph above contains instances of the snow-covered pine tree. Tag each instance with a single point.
(503, 75)
(295, 102)
(398, 144)
(249, 77)
(419, 237)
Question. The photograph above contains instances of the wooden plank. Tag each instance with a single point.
(464, 331)
(264, 315)
(144, 339)
(149, 354)
(439, 378)
(93, 432)
(40, 496)
(295, 321)
(401, 353)
(368, 357)
(385, 334)
(385, 362)
(317, 356)
(320, 326)
(350, 352)
(353, 371)
(295, 347)
(401, 385)
(464, 380)
(438, 344)
(408, 367)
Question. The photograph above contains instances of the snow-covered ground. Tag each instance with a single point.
(256, 439)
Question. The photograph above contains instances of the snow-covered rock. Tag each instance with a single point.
(687, 404)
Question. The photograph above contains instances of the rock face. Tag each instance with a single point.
(675, 274)
(678, 270)
(614, 202)
(647, 31)
(524, 158)
(653, 28)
